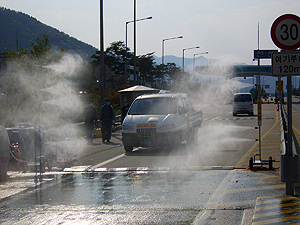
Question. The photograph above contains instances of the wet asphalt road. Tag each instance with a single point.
(141, 197)
(162, 189)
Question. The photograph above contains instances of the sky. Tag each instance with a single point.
(227, 29)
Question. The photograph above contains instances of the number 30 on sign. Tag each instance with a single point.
(285, 32)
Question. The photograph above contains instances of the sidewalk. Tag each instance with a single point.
(272, 209)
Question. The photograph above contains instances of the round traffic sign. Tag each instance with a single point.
(285, 32)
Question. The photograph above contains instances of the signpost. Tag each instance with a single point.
(285, 33)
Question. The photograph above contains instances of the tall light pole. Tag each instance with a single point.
(125, 70)
(134, 40)
(102, 79)
(163, 48)
(194, 59)
(183, 55)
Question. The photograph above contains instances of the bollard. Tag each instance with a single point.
(270, 163)
(251, 163)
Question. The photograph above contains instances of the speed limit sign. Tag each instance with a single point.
(285, 32)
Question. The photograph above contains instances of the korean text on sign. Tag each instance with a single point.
(286, 63)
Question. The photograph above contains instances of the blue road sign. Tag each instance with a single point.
(251, 70)
(263, 54)
(236, 70)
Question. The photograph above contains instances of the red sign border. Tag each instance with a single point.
(273, 30)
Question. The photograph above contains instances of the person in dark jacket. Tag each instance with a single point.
(107, 119)
(90, 114)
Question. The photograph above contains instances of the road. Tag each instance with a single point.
(187, 185)
(222, 141)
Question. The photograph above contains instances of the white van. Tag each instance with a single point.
(242, 104)
(159, 120)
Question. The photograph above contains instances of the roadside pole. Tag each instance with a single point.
(290, 186)
(102, 72)
(260, 54)
(259, 111)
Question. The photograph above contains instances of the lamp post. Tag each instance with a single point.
(125, 70)
(163, 48)
(183, 55)
(102, 78)
(134, 40)
(194, 59)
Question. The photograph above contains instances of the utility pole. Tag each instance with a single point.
(102, 80)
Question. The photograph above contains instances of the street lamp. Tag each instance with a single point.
(102, 78)
(163, 49)
(125, 71)
(194, 59)
(183, 55)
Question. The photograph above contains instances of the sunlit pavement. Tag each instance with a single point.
(130, 191)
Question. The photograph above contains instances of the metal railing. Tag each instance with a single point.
(284, 131)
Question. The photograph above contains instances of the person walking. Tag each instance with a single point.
(107, 118)
(90, 114)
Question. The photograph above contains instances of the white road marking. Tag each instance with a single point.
(108, 161)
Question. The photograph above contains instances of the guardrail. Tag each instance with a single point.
(289, 162)
(284, 131)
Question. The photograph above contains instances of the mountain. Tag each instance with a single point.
(188, 62)
(19, 29)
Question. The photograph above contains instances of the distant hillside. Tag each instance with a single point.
(19, 29)
(188, 62)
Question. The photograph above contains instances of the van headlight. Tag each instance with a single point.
(167, 126)
(126, 127)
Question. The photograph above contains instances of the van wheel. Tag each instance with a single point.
(128, 148)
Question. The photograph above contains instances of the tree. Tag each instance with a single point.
(40, 52)
(168, 75)
(163, 76)
(42, 46)
(24, 79)
(146, 68)
(114, 57)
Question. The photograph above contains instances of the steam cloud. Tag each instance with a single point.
(214, 93)
(45, 95)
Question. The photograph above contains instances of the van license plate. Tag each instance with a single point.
(146, 142)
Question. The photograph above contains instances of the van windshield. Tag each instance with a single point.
(242, 98)
(152, 106)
